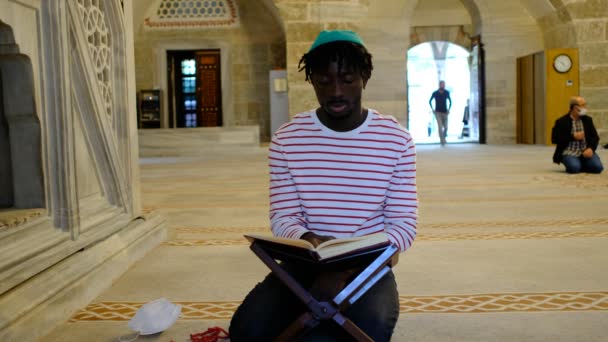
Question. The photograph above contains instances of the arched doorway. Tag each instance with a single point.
(428, 64)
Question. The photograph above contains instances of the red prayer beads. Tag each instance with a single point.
(211, 335)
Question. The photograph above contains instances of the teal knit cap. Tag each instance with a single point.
(336, 36)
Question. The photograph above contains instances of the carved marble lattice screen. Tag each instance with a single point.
(99, 69)
(99, 41)
(193, 13)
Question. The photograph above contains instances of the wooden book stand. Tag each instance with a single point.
(379, 261)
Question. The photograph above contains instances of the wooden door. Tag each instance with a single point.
(525, 100)
(208, 91)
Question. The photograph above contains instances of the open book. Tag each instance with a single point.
(328, 249)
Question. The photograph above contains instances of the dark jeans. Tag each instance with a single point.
(271, 307)
(582, 164)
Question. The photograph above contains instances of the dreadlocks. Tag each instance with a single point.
(355, 56)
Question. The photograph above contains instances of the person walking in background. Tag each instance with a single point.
(576, 139)
(441, 110)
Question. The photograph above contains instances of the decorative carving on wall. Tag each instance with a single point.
(170, 14)
(98, 70)
(454, 34)
(98, 36)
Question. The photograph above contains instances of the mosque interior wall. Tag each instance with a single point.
(508, 29)
(590, 19)
(385, 27)
(249, 51)
(583, 25)
(89, 228)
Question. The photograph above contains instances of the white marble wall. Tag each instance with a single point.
(84, 91)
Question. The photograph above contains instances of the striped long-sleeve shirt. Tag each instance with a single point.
(343, 184)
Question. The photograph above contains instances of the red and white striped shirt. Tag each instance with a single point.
(343, 184)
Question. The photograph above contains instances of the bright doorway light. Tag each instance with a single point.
(427, 64)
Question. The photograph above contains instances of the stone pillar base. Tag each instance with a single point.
(75, 281)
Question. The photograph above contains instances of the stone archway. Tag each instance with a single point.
(440, 24)
(508, 29)
(476, 23)
(21, 179)
(453, 34)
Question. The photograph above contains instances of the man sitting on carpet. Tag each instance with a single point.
(576, 139)
(335, 172)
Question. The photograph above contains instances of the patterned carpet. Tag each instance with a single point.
(515, 302)
(510, 248)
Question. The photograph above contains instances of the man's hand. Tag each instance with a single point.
(579, 135)
(316, 239)
(588, 153)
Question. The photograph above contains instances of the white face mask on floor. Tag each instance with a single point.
(152, 318)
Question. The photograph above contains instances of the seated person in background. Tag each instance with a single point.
(337, 171)
(576, 139)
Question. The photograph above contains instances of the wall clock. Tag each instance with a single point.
(562, 63)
